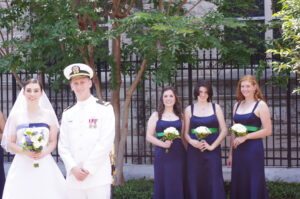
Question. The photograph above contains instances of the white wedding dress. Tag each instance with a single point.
(24, 181)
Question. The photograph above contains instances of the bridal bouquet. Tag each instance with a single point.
(33, 141)
(201, 132)
(238, 130)
(170, 133)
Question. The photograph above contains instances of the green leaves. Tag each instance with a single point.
(170, 40)
(52, 36)
(288, 47)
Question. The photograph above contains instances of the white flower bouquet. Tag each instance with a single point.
(201, 132)
(170, 133)
(34, 142)
(238, 130)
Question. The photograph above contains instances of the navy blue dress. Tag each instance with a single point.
(2, 174)
(205, 177)
(169, 167)
(248, 176)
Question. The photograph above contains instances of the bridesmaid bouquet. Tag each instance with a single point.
(170, 133)
(201, 132)
(238, 130)
(34, 142)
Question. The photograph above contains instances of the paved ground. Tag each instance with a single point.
(146, 171)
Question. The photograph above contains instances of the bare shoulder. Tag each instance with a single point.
(262, 105)
(235, 105)
(188, 109)
(154, 115)
(1, 116)
(153, 118)
(218, 107)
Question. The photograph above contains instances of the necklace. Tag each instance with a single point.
(168, 115)
(203, 107)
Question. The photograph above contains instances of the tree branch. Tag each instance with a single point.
(2, 53)
(7, 38)
(161, 5)
(121, 149)
(130, 7)
(2, 37)
(169, 7)
(7, 4)
(192, 8)
(18, 80)
(180, 7)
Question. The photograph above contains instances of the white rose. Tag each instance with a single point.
(239, 128)
(34, 138)
(23, 140)
(43, 143)
(202, 129)
(172, 130)
(37, 144)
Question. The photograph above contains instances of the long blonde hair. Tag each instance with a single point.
(257, 94)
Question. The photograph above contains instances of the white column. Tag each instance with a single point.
(268, 17)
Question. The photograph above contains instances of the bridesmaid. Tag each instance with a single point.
(205, 178)
(246, 155)
(169, 167)
(2, 174)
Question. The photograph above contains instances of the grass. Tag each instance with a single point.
(143, 188)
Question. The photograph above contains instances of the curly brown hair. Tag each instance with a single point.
(177, 106)
(257, 95)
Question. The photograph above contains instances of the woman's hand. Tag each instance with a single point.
(35, 155)
(205, 146)
(167, 144)
(195, 143)
(239, 140)
(229, 161)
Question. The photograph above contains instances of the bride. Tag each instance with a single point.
(33, 175)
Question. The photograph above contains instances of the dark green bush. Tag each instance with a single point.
(134, 189)
(143, 188)
(283, 190)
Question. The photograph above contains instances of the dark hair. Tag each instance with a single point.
(177, 106)
(257, 95)
(33, 81)
(207, 85)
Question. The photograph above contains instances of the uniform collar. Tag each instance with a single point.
(85, 102)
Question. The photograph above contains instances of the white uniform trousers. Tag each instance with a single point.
(100, 192)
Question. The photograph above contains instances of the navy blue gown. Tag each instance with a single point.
(169, 167)
(205, 177)
(248, 176)
(2, 174)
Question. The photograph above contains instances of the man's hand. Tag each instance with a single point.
(79, 173)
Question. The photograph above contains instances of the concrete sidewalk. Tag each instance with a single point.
(134, 171)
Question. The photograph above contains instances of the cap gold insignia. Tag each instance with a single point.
(75, 69)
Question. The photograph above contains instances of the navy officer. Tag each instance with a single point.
(86, 138)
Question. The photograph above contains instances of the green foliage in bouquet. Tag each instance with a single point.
(238, 134)
(170, 136)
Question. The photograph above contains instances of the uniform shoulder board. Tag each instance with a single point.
(103, 102)
(69, 107)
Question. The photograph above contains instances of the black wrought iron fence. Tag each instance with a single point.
(281, 149)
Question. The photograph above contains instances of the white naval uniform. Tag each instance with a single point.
(86, 138)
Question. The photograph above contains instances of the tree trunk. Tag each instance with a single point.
(96, 80)
(121, 147)
(115, 99)
(18, 80)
